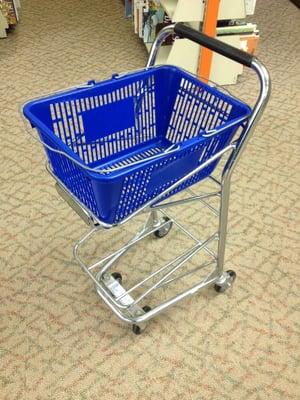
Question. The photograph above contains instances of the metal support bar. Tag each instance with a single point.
(139, 236)
(185, 201)
(160, 270)
(204, 265)
(223, 225)
(209, 280)
(201, 200)
(209, 251)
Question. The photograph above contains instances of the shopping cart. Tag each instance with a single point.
(122, 147)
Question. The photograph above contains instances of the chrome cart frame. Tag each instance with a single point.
(109, 285)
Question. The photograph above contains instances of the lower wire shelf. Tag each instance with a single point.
(127, 304)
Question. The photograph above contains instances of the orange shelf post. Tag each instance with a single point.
(210, 29)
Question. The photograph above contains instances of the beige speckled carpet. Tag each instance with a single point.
(57, 339)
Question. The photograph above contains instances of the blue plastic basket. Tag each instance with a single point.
(143, 131)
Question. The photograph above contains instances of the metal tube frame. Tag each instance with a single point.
(109, 289)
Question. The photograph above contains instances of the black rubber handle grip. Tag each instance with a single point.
(213, 44)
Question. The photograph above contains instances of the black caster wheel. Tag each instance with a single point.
(117, 276)
(231, 278)
(137, 330)
(220, 289)
(162, 232)
(232, 275)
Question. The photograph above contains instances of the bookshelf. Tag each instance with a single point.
(180, 10)
(193, 10)
(3, 25)
(186, 54)
(9, 15)
(237, 34)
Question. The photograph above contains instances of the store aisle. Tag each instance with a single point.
(57, 340)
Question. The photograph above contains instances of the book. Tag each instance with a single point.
(7, 7)
(236, 29)
(250, 6)
(3, 25)
(128, 8)
(135, 16)
(153, 15)
(249, 42)
(16, 5)
(142, 5)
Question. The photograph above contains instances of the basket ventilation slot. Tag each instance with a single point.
(69, 127)
(195, 110)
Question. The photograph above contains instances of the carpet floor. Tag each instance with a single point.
(57, 339)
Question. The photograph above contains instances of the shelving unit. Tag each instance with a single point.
(9, 15)
(186, 54)
(3, 26)
(224, 71)
(193, 10)
(182, 53)
(184, 10)
(232, 9)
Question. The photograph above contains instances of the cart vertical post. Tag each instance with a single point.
(223, 220)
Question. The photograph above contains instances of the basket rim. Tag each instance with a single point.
(91, 85)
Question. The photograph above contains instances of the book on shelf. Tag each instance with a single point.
(16, 5)
(3, 26)
(149, 17)
(138, 7)
(142, 10)
(249, 42)
(135, 16)
(250, 6)
(236, 29)
(128, 8)
(153, 15)
(9, 11)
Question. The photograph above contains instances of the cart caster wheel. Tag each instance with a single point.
(232, 275)
(136, 329)
(117, 276)
(161, 232)
(221, 288)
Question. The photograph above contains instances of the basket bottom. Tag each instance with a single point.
(143, 152)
